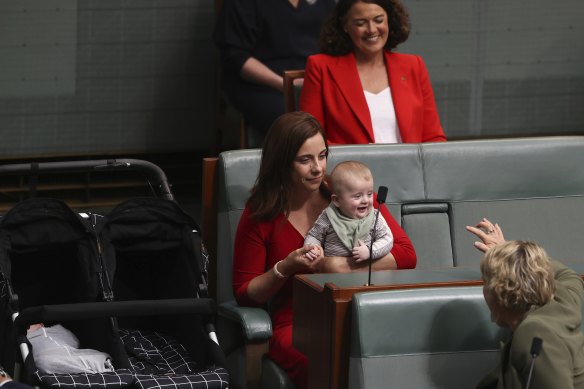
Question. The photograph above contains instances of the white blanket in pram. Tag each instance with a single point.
(55, 350)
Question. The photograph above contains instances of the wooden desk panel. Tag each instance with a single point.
(322, 320)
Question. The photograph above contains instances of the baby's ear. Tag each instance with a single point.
(335, 200)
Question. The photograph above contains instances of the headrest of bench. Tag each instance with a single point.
(504, 169)
(398, 167)
(452, 171)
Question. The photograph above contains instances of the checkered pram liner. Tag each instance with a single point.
(157, 360)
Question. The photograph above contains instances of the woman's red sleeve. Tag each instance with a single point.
(249, 257)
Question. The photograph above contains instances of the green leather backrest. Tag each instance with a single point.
(428, 227)
(399, 167)
(534, 188)
(426, 338)
(396, 166)
(426, 320)
(237, 172)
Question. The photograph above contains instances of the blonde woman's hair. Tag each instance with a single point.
(345, 172)
(519, 275)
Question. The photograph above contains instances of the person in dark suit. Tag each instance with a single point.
(534, 297)
(362, 92)
(7, 383)
(258, 40)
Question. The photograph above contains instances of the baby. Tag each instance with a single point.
(344, 227)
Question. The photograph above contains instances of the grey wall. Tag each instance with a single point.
(105, 76)
(114, 76)
(503, 67)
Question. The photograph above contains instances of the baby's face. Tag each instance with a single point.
(356, 199)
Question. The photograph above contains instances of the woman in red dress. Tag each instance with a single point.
(289, 194)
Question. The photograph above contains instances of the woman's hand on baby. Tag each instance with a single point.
(360, 252)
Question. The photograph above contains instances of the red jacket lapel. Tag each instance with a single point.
(344, 73)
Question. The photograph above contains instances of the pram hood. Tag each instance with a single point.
(49, 258)
(37, 224)
(159, 256)
(148, 225)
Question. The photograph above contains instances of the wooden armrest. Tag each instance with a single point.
(209, 216)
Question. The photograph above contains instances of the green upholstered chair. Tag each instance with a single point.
(422, 338)
(533, 187)
(243, 332)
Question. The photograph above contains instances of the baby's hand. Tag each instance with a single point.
(361, 252)
(314, 253)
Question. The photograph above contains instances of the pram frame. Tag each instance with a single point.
(158, 181)
(153, 173)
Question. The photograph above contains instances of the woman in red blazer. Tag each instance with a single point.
(359, 90)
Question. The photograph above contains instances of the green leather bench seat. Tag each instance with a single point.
(533, 187)
(422, 338)
(529, 186)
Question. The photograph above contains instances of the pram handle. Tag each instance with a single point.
(80, 311)
(152, 172)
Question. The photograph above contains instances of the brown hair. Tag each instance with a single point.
(519, 275)
(270, 194)
(335, 41)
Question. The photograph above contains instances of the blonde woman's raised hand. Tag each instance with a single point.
(489, 234)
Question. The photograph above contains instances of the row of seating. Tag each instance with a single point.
(532, 187)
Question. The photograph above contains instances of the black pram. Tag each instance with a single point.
(131, 284)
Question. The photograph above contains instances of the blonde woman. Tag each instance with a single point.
(533, 297)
